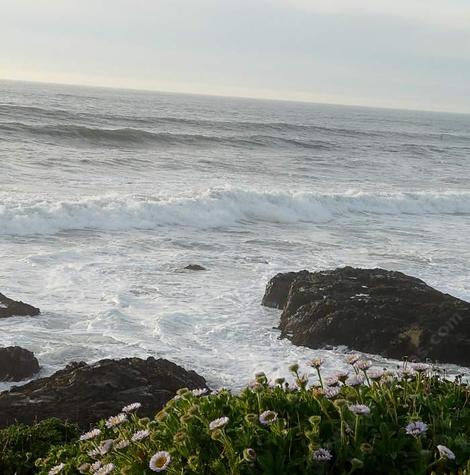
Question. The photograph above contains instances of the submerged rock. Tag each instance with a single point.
(12, 308)
(195, 267)
(84, 393)
(371, 310)
(17, 363)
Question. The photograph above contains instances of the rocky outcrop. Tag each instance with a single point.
(12, 308)
(84, 393)
(372, 310)
(17, 363)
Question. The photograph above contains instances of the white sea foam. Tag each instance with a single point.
(217, 207)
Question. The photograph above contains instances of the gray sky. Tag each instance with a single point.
(392, 53)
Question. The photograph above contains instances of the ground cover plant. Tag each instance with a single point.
(365, 421)
(21, 445)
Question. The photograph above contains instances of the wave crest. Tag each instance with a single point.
(217, 207)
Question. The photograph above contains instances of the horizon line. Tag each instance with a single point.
(235, 96)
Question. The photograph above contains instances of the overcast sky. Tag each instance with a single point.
(392, 53)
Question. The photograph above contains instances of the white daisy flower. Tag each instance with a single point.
(316, 362)
(359, 409)
(332, 392)
(121, 444)
(445, 452)
(375, 374)
(416, 428)
(139, 435)
(57, 469)
(90, 435)
(363, 364)
(199, 392)
(355, 380)
(94, 453)
(322, 455)
(105, 469)
(105, 446)
(218, 423)
(114, 421)
(331, 381)
(132, 407)
(160, 461)
(268, 417)
(352, 359)
(421, 367)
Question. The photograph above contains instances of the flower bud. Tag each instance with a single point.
(251, 418)
(249, 455)
(294, 368)
(217, 434)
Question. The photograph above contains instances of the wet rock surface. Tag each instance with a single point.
(17, 363)
(84, 393)
(371, 310)
(12, 308)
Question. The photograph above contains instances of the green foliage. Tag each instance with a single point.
(21, 445)
(271, 428)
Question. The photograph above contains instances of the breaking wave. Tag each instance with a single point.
(215, 208)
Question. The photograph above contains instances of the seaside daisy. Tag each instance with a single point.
(132, 407)
(91, 434)
(268, 417)
(416, 428)
(114, 421)
(105, 469)
(332, 392)
(218, 423)
(105, 446)
(316, 362)
(331, 381)
(352, 359)
(359, 409)
(322, 455)
(375, 374)
(355, 380)
(406, 373)
(94, 453)
(421, 367)
(363, 364)
(160, 461)
(84, 468)
(342, 376)
(140, 435)
(57, 469)
(121, 444)
(445, 452)
(199, 392)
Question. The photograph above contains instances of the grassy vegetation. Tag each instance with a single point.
(367, 422)
(21, 445)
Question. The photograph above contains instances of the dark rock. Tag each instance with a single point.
(372, 310)
(84, 393)
(278, 288)
(11, 308)
(17, 363)
(195, 267)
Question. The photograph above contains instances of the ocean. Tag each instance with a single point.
(106, 195)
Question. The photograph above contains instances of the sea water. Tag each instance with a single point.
(106, 195)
